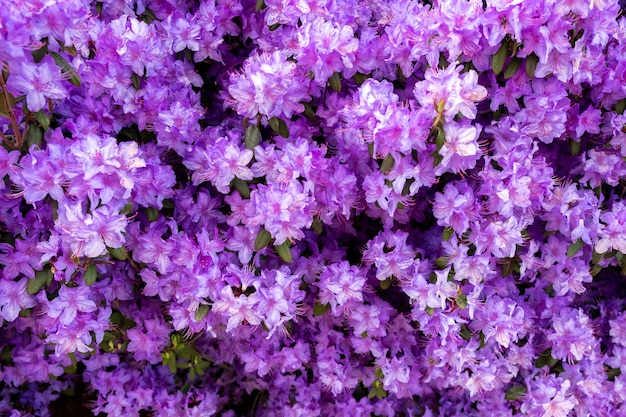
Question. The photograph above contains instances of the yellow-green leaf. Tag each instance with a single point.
(284, 252)
(262, 239)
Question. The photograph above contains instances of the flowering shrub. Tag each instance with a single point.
(313, 208)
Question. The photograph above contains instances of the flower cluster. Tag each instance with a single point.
(313, 208)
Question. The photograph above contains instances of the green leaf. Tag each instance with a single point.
(253, 137)
(442, 262)
(34, 136)
(40, 53)
(43, 277)
(152, 214)
(447, 233)
(574, 247)
(466, 333)
(309, 113)
(284, 252)
(595, 270)
(531, 65)
(66, 68)
(262, 240)
(440, 140)
(43, 119)
(620, 106)
(387, 164)
(241, 186)
(320, 309)
(574, 147)
(461, 301)
(317, 227)
(135, 81)
(90, 275)
(386, 284)
(430, 311)
(260, 5)
(360, 78)
(202, 311)
(515, 393)
(171, 362)
(279, 126)
(4, 110)
(498, 59)
(545, 359)
(596, 257)
(71, 50)
(512, 68)
(119, 253)
(335, 82)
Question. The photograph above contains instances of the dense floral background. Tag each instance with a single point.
(313, 208)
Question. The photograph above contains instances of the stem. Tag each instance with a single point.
(19, 140)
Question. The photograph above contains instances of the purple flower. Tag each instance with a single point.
(268, 85)
(69, 303)
(572, 338)
(14, 298)
(38, 82)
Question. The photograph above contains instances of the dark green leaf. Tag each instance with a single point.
(320, 309)
(386, 284)
(498, 59)
(42, 278)
(360, 78)
(544, 359)
(242, 186)
(309, 113)
(335, 82)
(260, 5)
(279, 126)
(466, 333)
(136, 81)
(531, 64)
(90, 275)
(387, 164)
(317, 227)
(66, 68)
(40, 53)
(152, 214)
(574, 147)
(253, 137)
(512, 68)
(34, 135)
